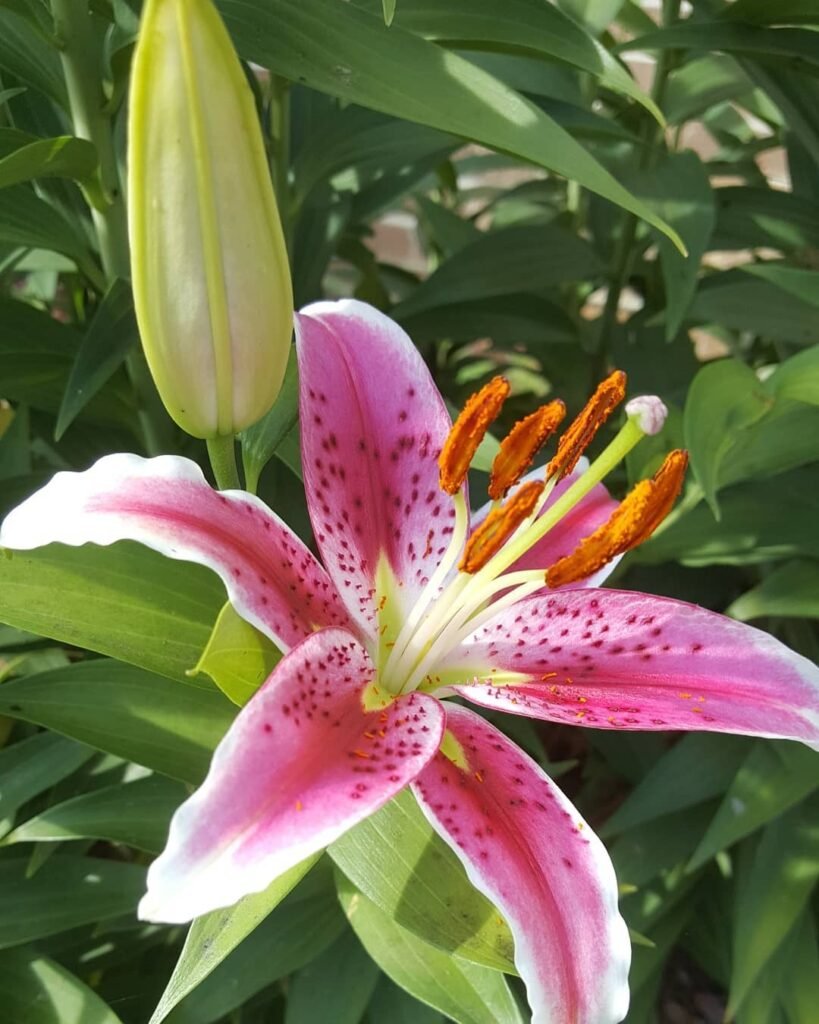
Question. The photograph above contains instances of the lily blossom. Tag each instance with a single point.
(389, 627)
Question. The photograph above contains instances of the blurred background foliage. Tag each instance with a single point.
(415, 167)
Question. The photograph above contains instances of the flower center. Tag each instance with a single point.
(457, 602)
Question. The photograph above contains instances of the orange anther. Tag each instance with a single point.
(521, 445)
(468, 431)
(498, 526)
(362, 754)
(580, 434)
(633, 521)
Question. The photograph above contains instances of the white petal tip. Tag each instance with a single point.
(649, 411)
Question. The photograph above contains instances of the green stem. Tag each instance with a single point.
(222, 455)
(80, 56)
(625, 252)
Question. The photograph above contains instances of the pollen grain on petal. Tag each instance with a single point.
(468, 431)
(633, 521)
(580, 433)
(521, 445)
(499, 525)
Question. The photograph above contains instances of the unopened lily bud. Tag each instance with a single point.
(211, 279)
(649, 411)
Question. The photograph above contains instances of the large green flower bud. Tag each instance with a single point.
(211, 279)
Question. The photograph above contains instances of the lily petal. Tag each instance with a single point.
(373, 424)
(617, 660)
(527, 849)
(302, 763)
(272, 579)
(589, 513)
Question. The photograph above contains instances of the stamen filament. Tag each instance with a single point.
(429, 591)
(630, 434)
(521, 584)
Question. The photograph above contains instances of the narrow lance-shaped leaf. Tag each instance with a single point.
(351, 54)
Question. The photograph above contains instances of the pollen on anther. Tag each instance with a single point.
(468, 431)
(499, 525)
(582, 430)
(632, 522)
(521, 444)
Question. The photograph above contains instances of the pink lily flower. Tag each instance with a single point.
(388, 628)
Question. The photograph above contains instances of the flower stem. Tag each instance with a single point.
(80, 57)
(222, 455)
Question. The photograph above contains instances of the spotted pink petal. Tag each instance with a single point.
(527, 849)
(165, 503)
(301, 764)
(372, 426)
(582, 521)
(616, 660)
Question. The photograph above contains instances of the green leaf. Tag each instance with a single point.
(392, 1005)
(62, 157)
(23, 52)
(168, 726)
(37, 990)
(783, 12)
(801, 284)
(797, 44)
(136, 813)
(398, 862)
(700, 84)
(679, 190)
(368, 142)
(109, 338)
(336, 986)
(662, 844)
(774, 776)
(800, 991)
(449, 231)
(124, 600)
(36, 354)
(733, 300)
(696, 769)
(238, 658)
(520, 26)
(750, 217)
(464, 991)
(791, 589)
(213, 937)
(597, 14)
(798, 377)
(293, 934)
(350, 53)
(724, 397)
(34, 765)
(388, 7)
(504, 262)
(65, 893)
(759, 521)
(737, 426)
(259, 442)
(771, 896)
(31, 222)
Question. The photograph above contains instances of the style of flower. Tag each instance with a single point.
(389, 627)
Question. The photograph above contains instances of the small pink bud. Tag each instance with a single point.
(649, 411)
